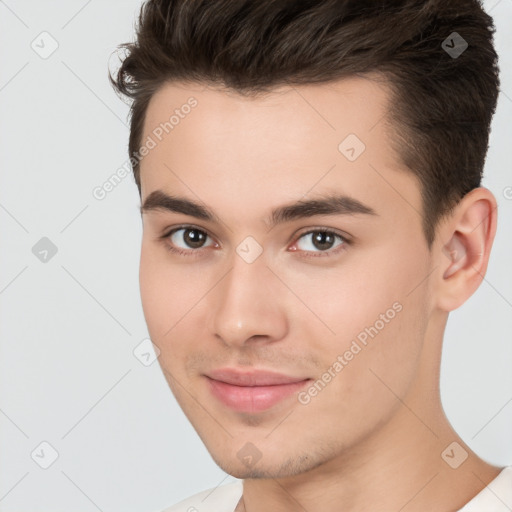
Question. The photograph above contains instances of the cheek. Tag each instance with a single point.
(162, 290)
(376, 311)
(346, 298)
(162, 284)
(171, 300)
(152, 290)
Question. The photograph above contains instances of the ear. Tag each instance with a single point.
(463, 256)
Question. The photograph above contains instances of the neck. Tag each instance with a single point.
(400, 467)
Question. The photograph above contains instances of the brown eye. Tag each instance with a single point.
(194, 238)
(319, 240)
(188, 238)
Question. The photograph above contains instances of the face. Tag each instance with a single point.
(306, 259)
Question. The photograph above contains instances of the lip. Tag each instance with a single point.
(254, 391)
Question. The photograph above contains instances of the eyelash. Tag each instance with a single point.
(308, 254)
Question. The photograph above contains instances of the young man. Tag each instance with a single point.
(309, 174)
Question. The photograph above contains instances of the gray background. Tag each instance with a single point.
(68, 327)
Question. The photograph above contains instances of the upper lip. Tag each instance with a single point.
(252, 378)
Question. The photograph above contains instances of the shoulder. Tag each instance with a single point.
(216, 499)
(496, 497)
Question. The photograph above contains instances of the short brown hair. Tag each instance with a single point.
(441, 104)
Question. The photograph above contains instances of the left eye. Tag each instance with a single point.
(319, 240)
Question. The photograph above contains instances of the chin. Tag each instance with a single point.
(266, 469)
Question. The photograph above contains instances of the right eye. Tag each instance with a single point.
(186, 240)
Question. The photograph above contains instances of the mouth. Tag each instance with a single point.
(252, 392)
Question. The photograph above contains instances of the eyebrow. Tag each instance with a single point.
(324, 205)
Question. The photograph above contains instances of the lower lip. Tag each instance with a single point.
(253, 398)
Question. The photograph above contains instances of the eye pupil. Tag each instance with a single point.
(323, 240)
(194, 238)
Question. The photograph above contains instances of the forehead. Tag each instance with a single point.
(305, 113)
(275, 147)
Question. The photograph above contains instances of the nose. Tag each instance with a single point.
(248, 305)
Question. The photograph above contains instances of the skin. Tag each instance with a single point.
(372, 438)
